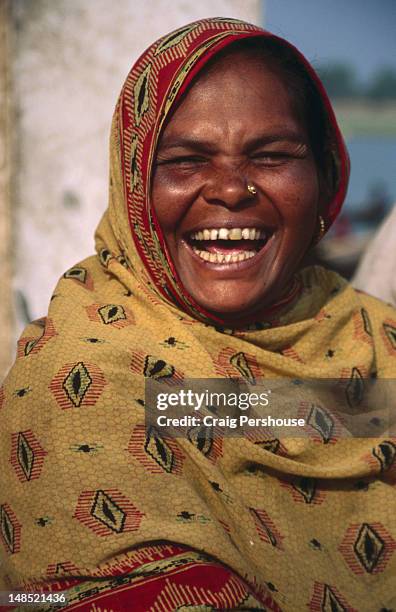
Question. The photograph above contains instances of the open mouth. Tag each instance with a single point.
(228, 245)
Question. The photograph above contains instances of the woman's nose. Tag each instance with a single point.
(228, 188)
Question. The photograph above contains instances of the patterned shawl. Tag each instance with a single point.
(82, 483)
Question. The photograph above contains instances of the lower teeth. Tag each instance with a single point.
(225, 259)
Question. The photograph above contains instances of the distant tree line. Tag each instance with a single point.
(341, 81)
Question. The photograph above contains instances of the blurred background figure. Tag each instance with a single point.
(62, 63)
(376, 273)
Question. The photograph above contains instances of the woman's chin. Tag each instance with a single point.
(240, 301)
(235, 305)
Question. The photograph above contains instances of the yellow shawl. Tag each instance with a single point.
(312, 522)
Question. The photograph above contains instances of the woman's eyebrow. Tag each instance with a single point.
(200, 144)
(187, 143)
(292, 136)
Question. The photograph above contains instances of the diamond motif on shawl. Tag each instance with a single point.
(111, 313)
(79, 274)
(306, 487)
(7, 529)
(173, 39)
(366, 322)
(390, 332)
(29, 346)
(369, 547)
(135, 174)
(331, 603)
(158, 449)
(105, 256)
(25, 456)
(141, 94)
(320, 420)
(239, 361)
(202, 438)
(157, 368)
(106, 511)
(355, 388)
(385, 452)
(77, 383)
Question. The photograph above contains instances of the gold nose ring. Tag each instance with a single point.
(251, 189)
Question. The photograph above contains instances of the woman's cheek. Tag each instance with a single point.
(295, 194)
(168, 199)
(172, 196)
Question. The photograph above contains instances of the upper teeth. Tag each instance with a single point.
(235, 233)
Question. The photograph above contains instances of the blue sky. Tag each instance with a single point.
(362, 32)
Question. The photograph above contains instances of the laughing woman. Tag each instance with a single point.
(227, 165)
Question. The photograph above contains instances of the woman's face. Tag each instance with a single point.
(235, 252)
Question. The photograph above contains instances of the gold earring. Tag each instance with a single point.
(251, 189)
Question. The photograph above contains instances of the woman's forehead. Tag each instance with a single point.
(236, 93)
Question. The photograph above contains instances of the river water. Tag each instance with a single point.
(373, 167)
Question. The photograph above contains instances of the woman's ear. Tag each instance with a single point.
(325, 194)
(327, 189)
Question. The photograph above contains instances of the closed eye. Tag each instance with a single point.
(183, 160)
(278, 154)
(275, 158)
(271, 155)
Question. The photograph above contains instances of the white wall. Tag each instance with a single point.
(6, 306)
